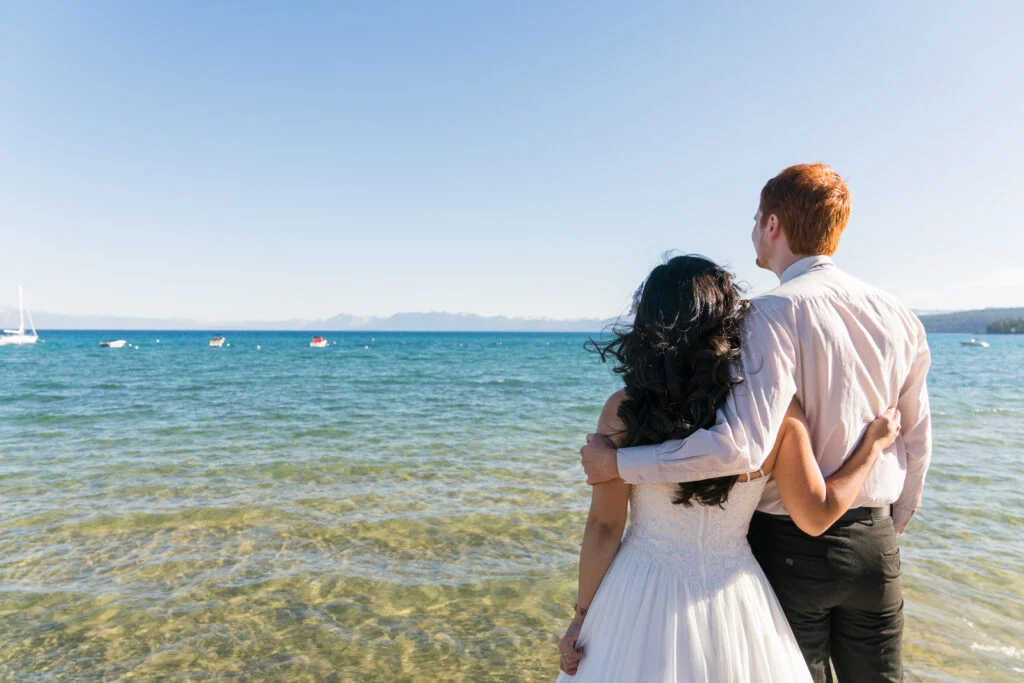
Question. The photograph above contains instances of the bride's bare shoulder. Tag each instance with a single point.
(610, 424)
(611, 406)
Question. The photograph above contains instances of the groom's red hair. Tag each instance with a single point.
(812, 203)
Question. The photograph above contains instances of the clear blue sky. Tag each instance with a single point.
(245, 160)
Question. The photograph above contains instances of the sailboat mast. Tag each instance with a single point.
(32, 323)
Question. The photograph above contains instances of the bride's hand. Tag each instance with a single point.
(569, 659)
(884, 429)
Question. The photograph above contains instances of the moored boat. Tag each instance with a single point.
(18, 336)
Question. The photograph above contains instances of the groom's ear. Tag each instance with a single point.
(774, 231)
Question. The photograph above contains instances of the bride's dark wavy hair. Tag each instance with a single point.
(678, 359)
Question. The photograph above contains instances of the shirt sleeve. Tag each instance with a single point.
(916, 428)
(747, 424)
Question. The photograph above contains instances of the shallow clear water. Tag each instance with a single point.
(394, 507)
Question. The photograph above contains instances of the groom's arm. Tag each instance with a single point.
(917, 434)
(748, 423)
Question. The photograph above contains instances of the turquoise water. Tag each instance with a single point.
(394, 507)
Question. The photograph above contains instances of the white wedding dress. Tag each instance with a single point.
(685, 600)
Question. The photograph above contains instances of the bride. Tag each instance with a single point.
(681, 597)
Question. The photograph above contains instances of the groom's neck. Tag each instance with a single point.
(783, 261)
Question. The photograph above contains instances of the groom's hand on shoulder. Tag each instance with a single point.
(600, 459)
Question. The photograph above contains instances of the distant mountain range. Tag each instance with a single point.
(965, 322)
(968, 322)
(399, 322)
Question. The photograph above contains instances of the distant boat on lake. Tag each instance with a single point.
(975, 342)
(18, 336)
(217, 341)
(318, 343)
(113, 344)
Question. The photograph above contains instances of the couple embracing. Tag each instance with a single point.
(770, 452)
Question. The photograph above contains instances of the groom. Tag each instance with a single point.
(848, 351)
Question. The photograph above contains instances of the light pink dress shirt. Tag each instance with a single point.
(848, 351)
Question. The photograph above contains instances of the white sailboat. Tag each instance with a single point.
(18, 336)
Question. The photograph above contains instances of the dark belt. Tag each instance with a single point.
(864, 514)
(853, 514)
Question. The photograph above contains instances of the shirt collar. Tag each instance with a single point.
(806, 265)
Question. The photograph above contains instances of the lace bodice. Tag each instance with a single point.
(693, 538)
(685, 600)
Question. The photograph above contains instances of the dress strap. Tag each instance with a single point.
(750, 475)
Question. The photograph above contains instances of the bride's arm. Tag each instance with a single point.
(601, 538)
(607, 518)
(815, 503)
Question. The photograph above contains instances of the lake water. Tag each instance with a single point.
(394, 507)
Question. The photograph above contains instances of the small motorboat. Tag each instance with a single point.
(975, 342)
(113, 344)
(217, 341)
(318, 343)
